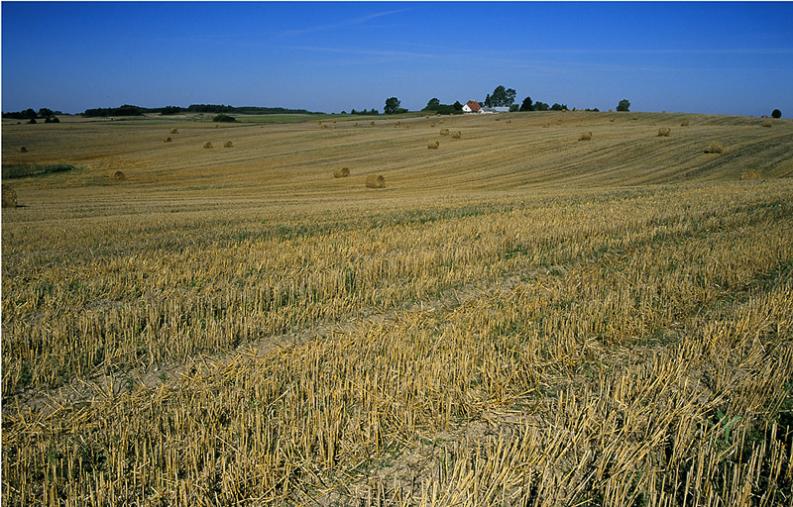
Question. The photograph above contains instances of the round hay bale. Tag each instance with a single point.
(750, 175)
(174, 131)
(664, 132)
(684, 123)
(714, 148)
(9, 197)
(767, 124)
(207, 145)
(23, 150)
(119, 176)
(228, 144)
(375, 181)
(444, 132)
(586, 136)
(433, 145)
(341, 173)
(457, 135)
(167, 140)
(371, 123)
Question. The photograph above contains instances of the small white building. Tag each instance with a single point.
(493, 110)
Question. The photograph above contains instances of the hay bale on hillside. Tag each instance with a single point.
(433, 145)
(341, 173)
(207, 145)
(371, 123)
(664, 132)
(714, 148)
(457, 134)
(167, 140)
(228, 144)
(119, 176)
(23, 150)
(750, 175)
(444, 132)
(375, 181)
(767, 124)
(9, 197)
(174, 131)
(684, 123)
(586, 136)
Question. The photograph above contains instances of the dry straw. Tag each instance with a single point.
(714, 148)
(457, 135)
(119, 176)
(750, 175)
(767, 124)
(167, 140)
(586, 136)
(341, 173)
(9, 197)
(444, 132)
(664, 132)
(23, 150)
(228, 144)
(375, 181)
(684, 123)
(207, 145)
(174, 131)
(433, 145)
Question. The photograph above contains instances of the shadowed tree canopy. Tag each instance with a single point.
(624, 105)
(501, 97)
(432, 104)
(527, 105)
(776, 113)
(392, 106)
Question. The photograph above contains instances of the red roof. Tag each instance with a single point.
(474, 105)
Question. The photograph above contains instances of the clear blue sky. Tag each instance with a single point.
(731, 58)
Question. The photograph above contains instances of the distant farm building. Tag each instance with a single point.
(493, 110)
(472, 106)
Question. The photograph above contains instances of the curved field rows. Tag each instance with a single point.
(518, 318)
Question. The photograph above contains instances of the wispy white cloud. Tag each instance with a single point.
(360, 20)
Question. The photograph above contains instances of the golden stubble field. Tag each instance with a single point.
(517, 318)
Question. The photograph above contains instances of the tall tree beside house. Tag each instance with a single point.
(457, 106)
(527, 105)
(392, 105)
(488, 101)
(501, 97)
(624, 105)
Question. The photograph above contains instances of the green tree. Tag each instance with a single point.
(527, 105)
(624, 105)
(392, 105)
(432, 104)
(776, 113)
(488, 101)
(541, 106)
(457, 106)
(501, 97)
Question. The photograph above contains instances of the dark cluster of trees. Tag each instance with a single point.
(529, 105)
(31, 115)
(393, 106)
(130, 110)
(372, 112)
(434, 105)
